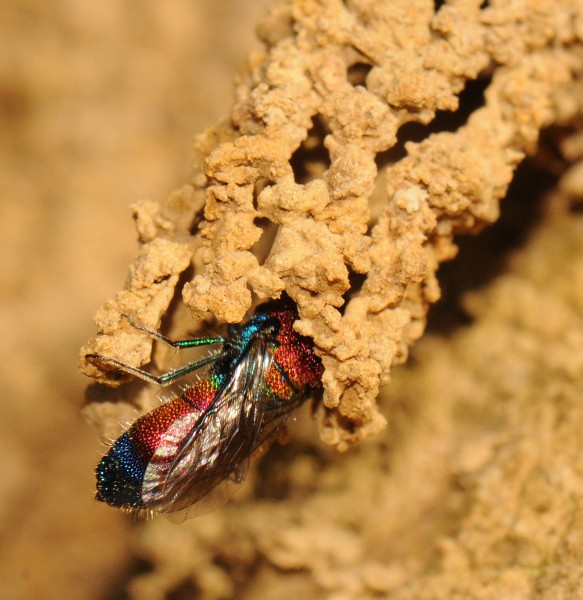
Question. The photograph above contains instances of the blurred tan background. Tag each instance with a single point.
(476, 486)
(99, 103)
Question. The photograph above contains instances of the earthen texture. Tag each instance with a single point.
(412, 62)
(474, 488)
(98, 105)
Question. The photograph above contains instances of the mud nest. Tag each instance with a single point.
(362, 140)
(309, 188)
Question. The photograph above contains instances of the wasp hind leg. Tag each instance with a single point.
(165, 378)
(170, 376)
(190, 343)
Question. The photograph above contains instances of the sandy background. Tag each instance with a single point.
(98, 107)
(474, 489)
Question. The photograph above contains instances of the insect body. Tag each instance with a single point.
(179, 452)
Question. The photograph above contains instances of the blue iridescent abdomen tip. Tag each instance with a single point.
(120, 474)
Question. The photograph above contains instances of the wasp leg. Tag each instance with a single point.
(285, 378)
(192, 343)
(164, 379)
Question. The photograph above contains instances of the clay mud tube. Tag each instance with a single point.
(300, 161)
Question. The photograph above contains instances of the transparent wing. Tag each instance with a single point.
(275, 411)
(199, 452)
(217, 496)
(272, 413)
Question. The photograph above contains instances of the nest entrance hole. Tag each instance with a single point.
(484, 257)
(311, 159)
(470, 99)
